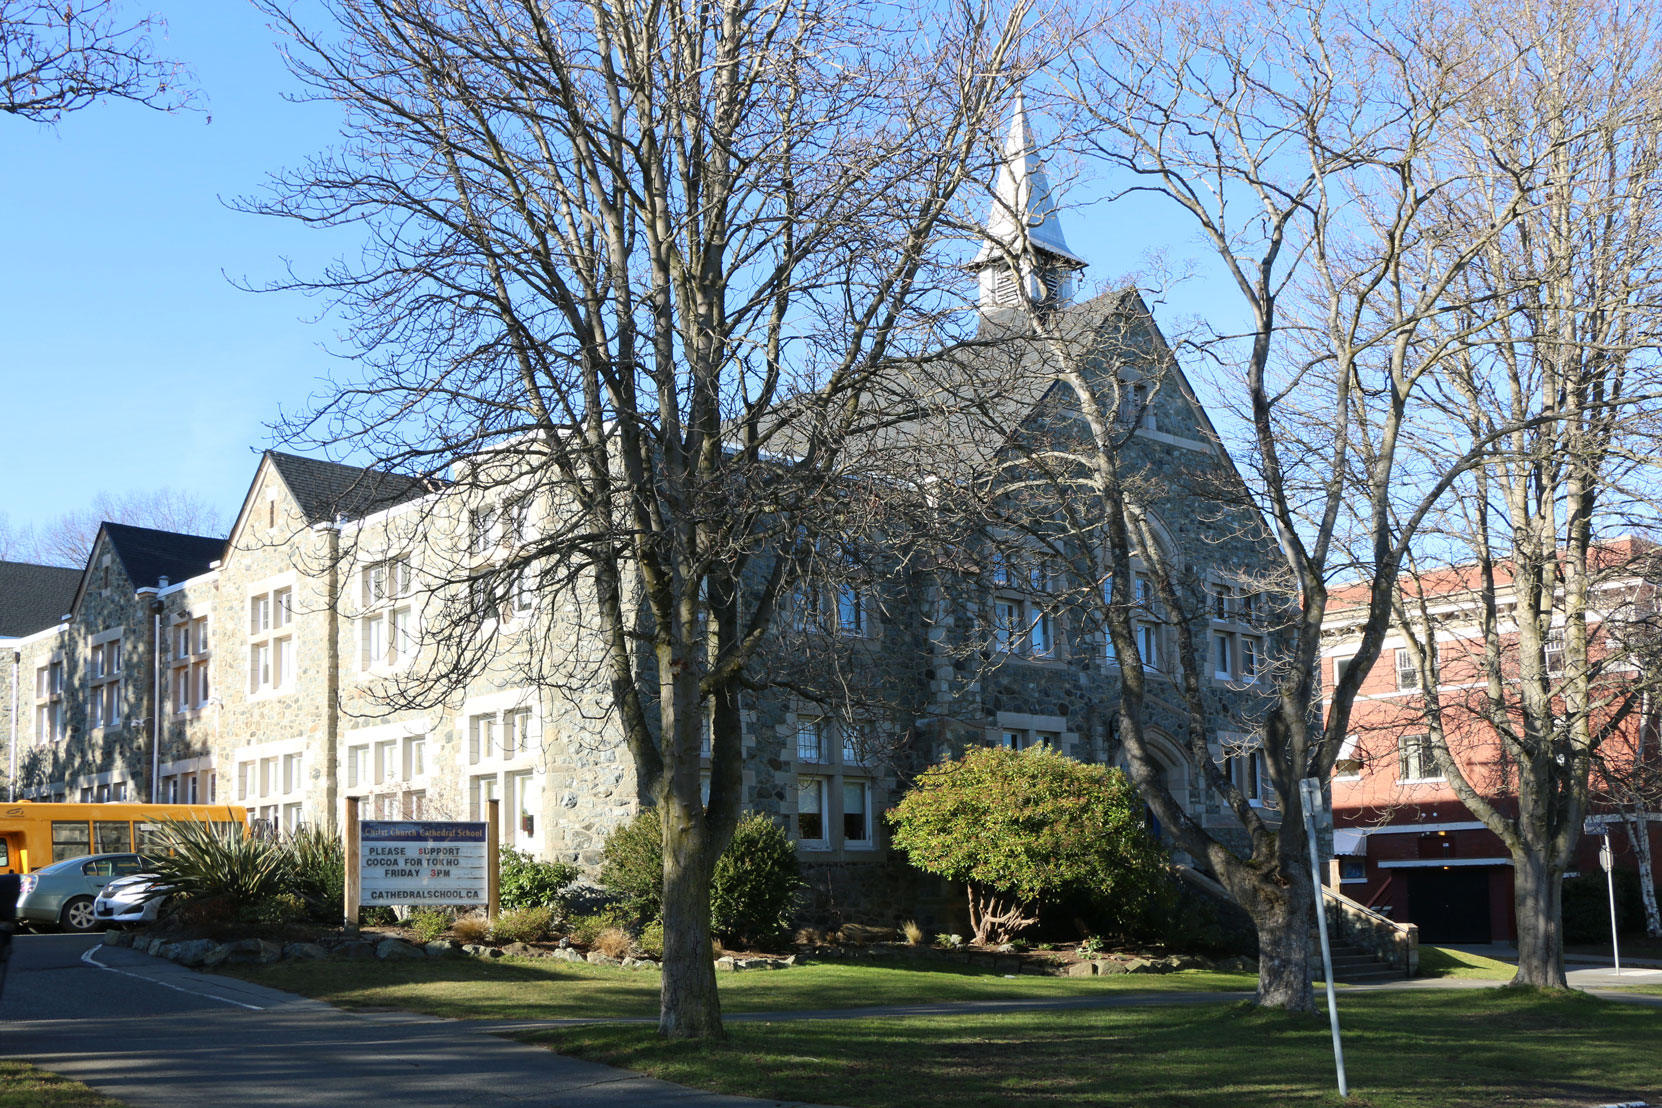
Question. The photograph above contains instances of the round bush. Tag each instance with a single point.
(752, 893)
(529, 883)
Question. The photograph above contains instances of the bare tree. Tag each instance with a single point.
(636, 266)
(57, 57)
(1302, 144)
(1560, 311)
(67, 540)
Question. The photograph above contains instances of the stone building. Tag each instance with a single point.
(275, 667)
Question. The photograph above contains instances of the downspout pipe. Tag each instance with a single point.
(11, 775)
(156, 690)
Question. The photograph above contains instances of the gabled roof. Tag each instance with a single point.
(33, 598)
(326, 491)
(149, 555)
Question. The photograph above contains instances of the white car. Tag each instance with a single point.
(128, 900)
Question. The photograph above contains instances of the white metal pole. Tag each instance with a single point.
(1608, 861)
(1310, 790)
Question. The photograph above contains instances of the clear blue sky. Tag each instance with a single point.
(128, 360)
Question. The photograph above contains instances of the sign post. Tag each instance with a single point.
(493, 848)
(1608, 861)
(354, 885)
(1310, 791)
(424, 863)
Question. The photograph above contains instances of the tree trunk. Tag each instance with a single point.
(1539, 898)
(689, 1005)
(1638, 833)
(1284, 927)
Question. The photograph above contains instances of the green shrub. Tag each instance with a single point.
(317, 870)
(651, 939)
(279, 909)
(585, 928)
(529, 883)
(378, 915)
(523, 925)
(1026, 828)
(752, 893)
(429, 923)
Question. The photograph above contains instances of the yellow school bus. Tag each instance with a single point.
(34, 834)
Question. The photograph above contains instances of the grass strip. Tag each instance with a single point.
(26, 1086)
(513, 988)
(1520, 1048)
(1437, 961)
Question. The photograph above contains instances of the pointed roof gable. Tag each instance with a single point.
(326, 491)
(149, 555)
(33, 598)
(1022, 194)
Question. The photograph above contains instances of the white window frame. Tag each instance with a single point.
(271, 635)
(104, 707)
(1408, 747)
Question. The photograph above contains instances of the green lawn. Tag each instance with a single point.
(1402, 1050)
(1436, 961)
(24, 1086)
(512, 988)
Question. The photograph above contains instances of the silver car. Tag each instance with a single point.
(62, 893)
(128, 900)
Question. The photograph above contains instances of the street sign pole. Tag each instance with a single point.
(1608, 861)
(1310, 791)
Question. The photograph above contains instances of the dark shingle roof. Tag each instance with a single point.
(327, 490)
(148, 555)
(33, 598)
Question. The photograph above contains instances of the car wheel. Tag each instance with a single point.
(77, 915)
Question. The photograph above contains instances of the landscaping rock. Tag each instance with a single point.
(169, 951)
(789, 960)
(753, 963)
(442, 948)
(112, 937)
(392, 950)
(1190, 961)
(639, 963)
(478, 950)
(192, 953)
(566, 954)
(1146, 965)
(522, 950)
(859, 933)
(216, 956)
(301, 952)
(727, 963)
(1106, 966)
(1081, 969)
(595, 958)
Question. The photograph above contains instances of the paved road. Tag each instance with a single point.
(159, 1036)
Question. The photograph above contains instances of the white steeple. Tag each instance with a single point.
(1023, 223)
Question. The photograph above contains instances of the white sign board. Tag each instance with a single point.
(405, 862)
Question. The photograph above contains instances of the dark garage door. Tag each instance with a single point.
(1450, 905)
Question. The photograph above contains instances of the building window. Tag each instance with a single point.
(385, 633)
(1348, 765)
(856, 813)
(837, 754)
(104, 683)
(810, 811)
(1027, 739)
(1247, 771)
(810, 743)
(1135, 410)
(1024, 624)
(1408, 674)
(1417, 761)
(272, 786)
(1237, 652)
(482, 530)
(1553, 654)
(271, 641)
(188, 677)
(49, 703)
(851, 610)
(1353, 869)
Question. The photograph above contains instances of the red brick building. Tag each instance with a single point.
(1404, 843)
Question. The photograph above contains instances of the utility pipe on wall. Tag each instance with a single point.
(156, 703)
